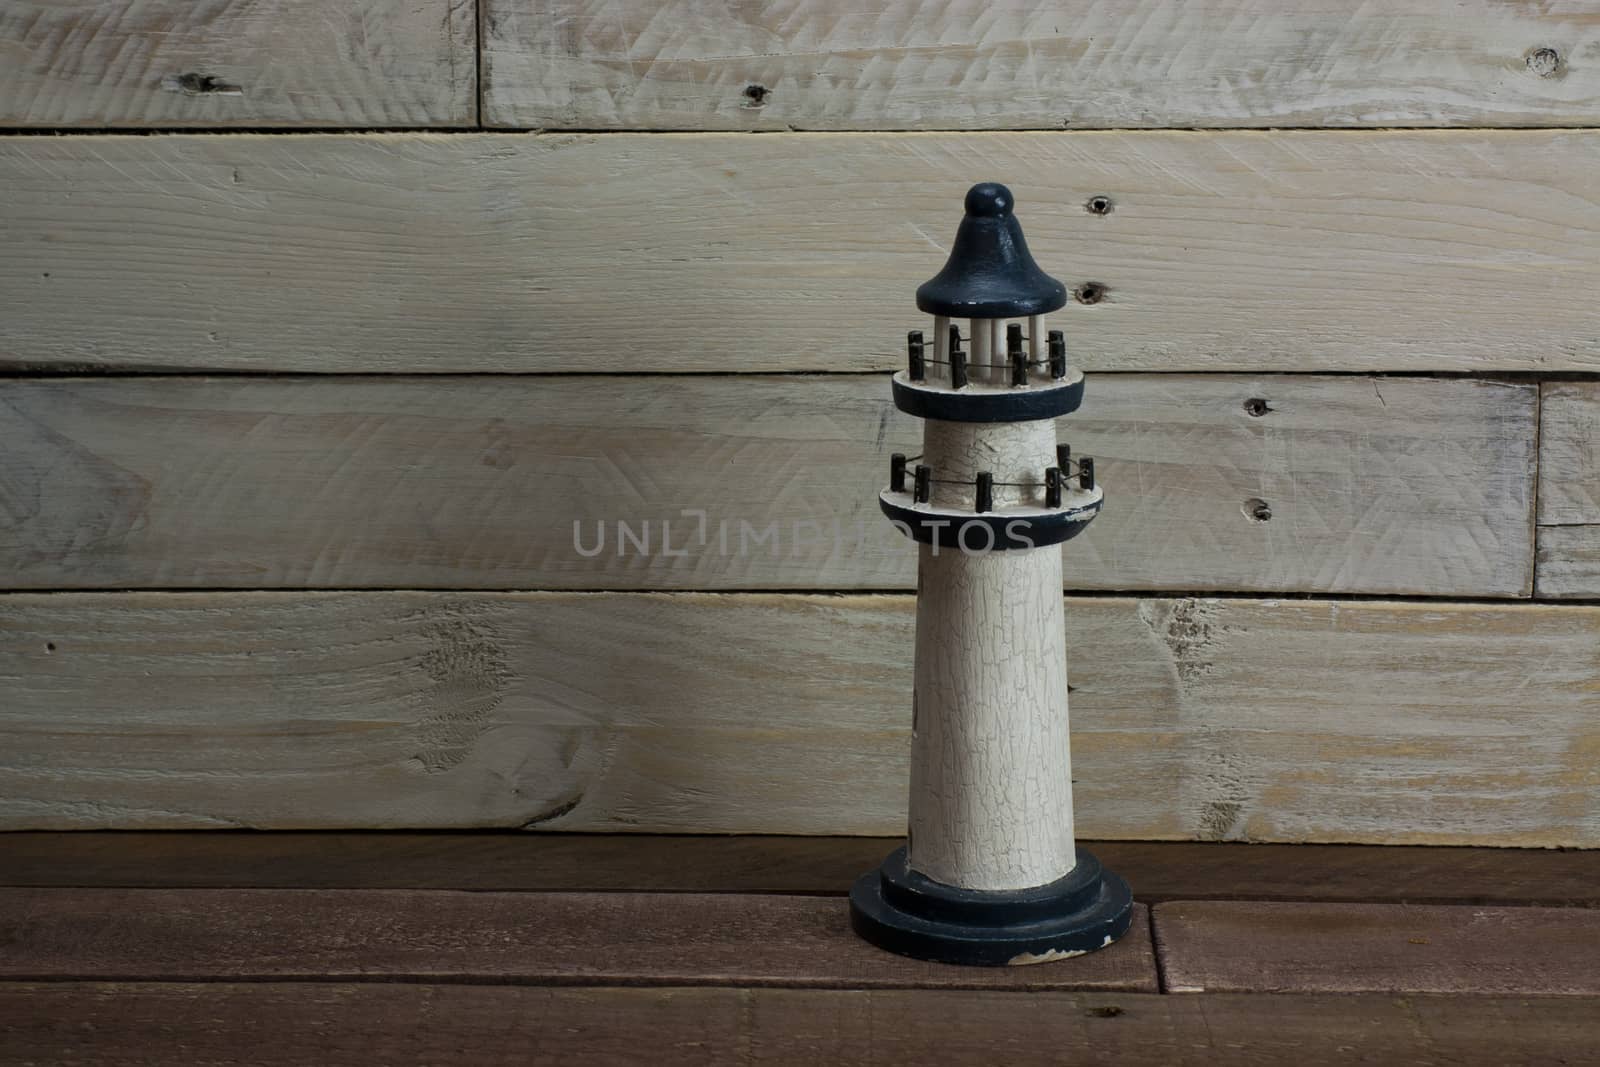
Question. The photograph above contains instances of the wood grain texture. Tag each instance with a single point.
(1409, 486)
(1233, 947)
(672, 939)
(1219, 719)
(1569, 490)
(1158, 870)
(1569, 562)
(815, 65)
(347, 1024)
(1243, 251)
(253, 63)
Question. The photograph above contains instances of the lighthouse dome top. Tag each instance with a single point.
(990, 273)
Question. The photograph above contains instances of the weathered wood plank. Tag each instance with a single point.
(1158, 870)
(1569, 490)
(1410, 486)
(355, 1024)
(1236, 947)
(811, 64)
(1222, 719)
(1569, 562)
(87, 63)
(1374, 250)
(1569, 453)
(552, 938)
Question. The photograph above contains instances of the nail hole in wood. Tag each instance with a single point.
(49, 646)
(755, 95)
(1545, 62)
(1098, 205)
(1256, 407)
(1256, 510)
(1090, 293)
(204, 83)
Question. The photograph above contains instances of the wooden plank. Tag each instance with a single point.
(1411, 486)
(1358, 251)
(1236, 947)
(550, 938)
(339, 1024)
(1569, 490)
(1569, 453)
(1569, 562)
(287, 859)
(1258, 720)
(1157, 870)
(287, 63)
(815, 65)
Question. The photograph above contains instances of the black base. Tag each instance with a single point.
(900, 910)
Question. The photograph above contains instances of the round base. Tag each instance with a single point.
(900, 910)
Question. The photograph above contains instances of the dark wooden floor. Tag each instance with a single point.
(490, 948)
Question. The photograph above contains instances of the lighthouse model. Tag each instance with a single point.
(990, 872)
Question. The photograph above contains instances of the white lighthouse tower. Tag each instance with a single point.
(990, 873)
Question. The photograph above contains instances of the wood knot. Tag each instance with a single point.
(1545, 62)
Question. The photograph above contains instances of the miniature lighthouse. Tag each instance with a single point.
(990, 872)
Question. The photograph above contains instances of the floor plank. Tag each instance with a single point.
(1234, 947)
(342, 1025)
(549, 938)
(1472, 250)
(1157, 870)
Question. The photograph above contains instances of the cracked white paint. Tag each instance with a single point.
(991, 778)
(1027, 959)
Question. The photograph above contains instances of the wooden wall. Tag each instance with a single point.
(332, 337)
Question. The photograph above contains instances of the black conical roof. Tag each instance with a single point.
(990, 274)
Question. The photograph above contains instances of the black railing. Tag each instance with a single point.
(983, 485)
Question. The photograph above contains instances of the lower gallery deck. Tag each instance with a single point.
(521, 948)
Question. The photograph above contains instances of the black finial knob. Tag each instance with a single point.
(989, 200)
